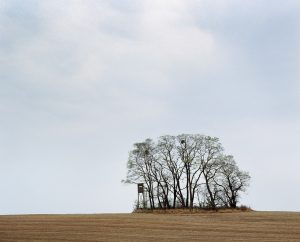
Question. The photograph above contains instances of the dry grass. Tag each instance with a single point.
(206, 226)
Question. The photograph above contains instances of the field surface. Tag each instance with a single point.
(206, 226)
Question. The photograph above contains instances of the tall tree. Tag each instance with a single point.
(168, 154)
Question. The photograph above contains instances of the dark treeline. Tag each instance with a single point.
(186, 171)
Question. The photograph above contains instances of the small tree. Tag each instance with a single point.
(232, 181)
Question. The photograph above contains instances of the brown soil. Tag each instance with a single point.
(206, 226)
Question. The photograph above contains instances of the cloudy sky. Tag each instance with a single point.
(81, 81)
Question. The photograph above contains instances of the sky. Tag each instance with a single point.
(82, 81)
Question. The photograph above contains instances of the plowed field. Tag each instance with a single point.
(206, 226)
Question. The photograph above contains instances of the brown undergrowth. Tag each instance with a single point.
(193, 210)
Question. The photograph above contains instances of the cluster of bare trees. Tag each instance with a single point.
(186, 171)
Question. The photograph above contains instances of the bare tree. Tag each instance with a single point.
(168, 153)
(210, 153)
(232, 181)
(139, 167)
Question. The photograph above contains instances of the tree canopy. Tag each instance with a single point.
(186, 170)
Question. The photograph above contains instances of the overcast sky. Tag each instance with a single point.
(81, 81)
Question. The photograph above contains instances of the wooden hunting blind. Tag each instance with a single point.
(140, 187)
(141, 196)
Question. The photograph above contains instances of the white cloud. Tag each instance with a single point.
(120, 60)
(78, 43)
